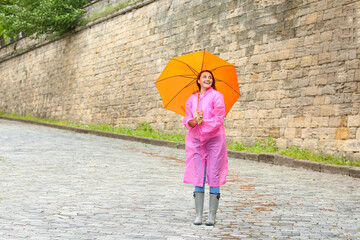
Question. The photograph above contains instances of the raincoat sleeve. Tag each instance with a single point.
(188, 114)
(212, 124)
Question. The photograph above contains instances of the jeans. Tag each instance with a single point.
(202, 189)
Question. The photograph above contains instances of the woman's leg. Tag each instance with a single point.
(214, 190)
(199, 201)
(201, 189)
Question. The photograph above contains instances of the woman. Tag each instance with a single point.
(206, 153)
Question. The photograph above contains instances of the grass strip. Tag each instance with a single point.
(269, 146)
(143, 130)
(261, 146)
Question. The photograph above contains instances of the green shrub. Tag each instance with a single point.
(37, 17)
(104, 12)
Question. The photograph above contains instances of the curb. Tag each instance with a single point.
(277, 159)
(269, 158)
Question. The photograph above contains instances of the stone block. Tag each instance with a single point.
(354, 172)
(256, 49)
(315, 60)
(290, 64)
(311, 91)
(283, 160)
(311, 18)
(309, 40)
(335, 169)
(324, 58)
(308, 133)
(342, 133)
(274, 113)
(274, 132)
(321, 79)
(319, 122)
(352, 145)
(327, 89)
(332, 13)
(326, 110)
(334, 121)
(326, 36)
(236, 154)
(319, 100)
(297, 122)
(293, 43)
(270, 104)
(290, 133)
(310, 143)
(352, 133)
(353, 121)
(284, 54)
(266, 157)
(254, 77)
(262, 113)
(306, 61)
(357, 75)
(306, 164)
(251, 156)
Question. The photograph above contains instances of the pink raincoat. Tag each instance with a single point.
(206, 143)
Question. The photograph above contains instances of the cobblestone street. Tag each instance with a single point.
(57, 184)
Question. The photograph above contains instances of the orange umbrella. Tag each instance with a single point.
(178, 80)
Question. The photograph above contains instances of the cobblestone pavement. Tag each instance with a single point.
(56, 184)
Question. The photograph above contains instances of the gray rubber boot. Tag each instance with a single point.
(199, 206)
(213, 207)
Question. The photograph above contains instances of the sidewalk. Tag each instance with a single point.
(57, 184)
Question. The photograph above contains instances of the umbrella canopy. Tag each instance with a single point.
(178, 80)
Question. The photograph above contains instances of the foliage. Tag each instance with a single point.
(106, 11)
(261, 146)
(258, 147)
(145, 130)
(49, 17)
(317, 156)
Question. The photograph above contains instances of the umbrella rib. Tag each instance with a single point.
(192, 69)
(221, 67)
(227, 85)
(189, 84)
(184, 76)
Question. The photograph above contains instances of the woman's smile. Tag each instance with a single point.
(205, 81)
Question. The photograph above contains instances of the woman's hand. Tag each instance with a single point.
(192, 123)
(199, 120)
(198, 117)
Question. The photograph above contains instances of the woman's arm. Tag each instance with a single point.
(189, 120)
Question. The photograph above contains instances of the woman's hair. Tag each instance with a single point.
(212, 76)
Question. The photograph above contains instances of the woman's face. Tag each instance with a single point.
(205, 81)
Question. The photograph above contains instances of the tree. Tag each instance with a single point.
(39, 17)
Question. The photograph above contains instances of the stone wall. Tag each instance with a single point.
(297, 64)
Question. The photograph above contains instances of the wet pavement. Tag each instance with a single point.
(57, 184)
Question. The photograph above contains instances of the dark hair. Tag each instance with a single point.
(212, 75)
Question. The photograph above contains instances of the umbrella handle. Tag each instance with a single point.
(197, 106)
